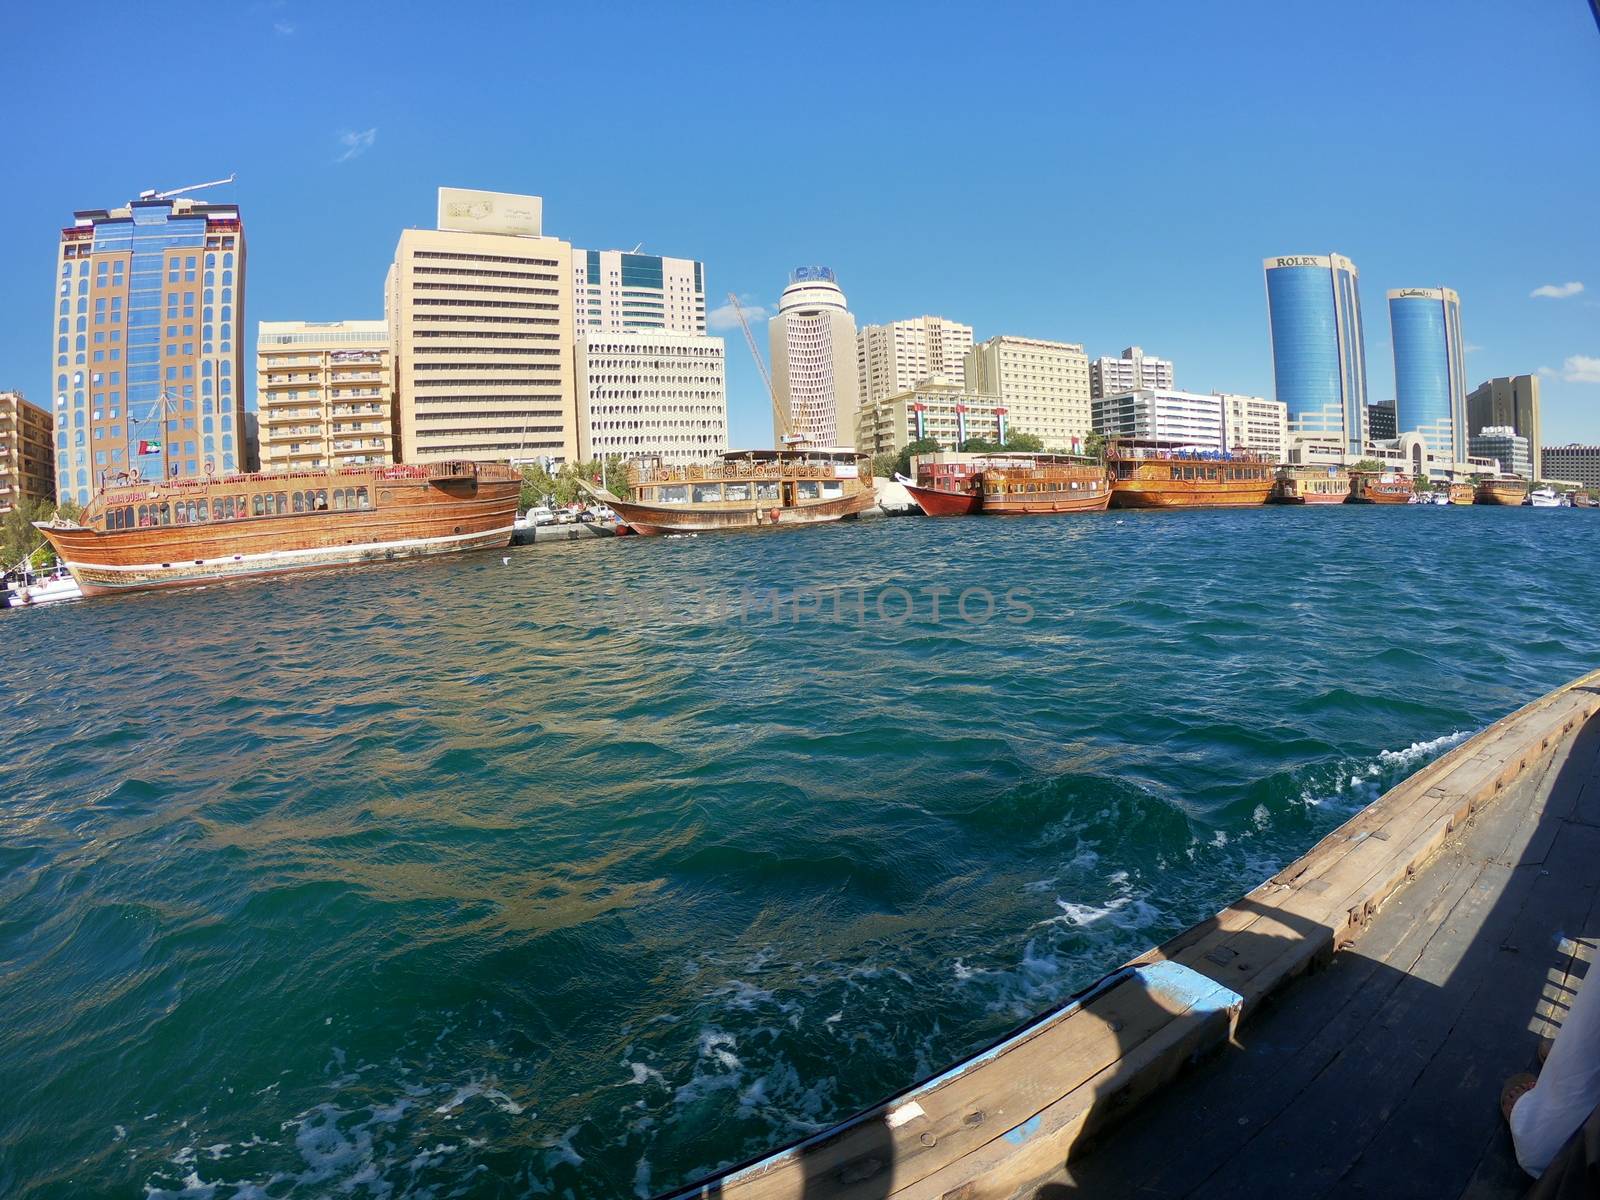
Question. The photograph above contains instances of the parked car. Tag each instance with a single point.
(565, 516)
(539, 516)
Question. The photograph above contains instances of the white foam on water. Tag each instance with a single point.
(641, 1179)
(642, 1073)
(561, 1151)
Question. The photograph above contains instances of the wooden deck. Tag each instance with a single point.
(1342, 1029)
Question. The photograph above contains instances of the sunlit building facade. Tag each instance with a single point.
(813, 346)
(651, 393)
(27, 454)
(323, 394)
(1043, 386)
(1429, 367)
(1319, 363)
(1510, 400)
(894, 358)
(614, 291)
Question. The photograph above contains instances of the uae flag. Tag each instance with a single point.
(149, 447)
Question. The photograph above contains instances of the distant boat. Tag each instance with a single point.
(1148, 473)
(940, 502)
(1367, 488)
(1310, 485)
(1461, 493)
(1501, 491)
(1442, 497)
(1545, 497)
(1038, 484)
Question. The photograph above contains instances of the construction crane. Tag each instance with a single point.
(780, 412)
(152, 194)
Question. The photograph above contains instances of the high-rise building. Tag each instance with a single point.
(1381, 426)
(480, 323)
(651, 392)
(1429, 367)
(1571, 463)
(1183, 418)
(894, 358)
(1506, 445)
(27, 456)
(147, 358)
(813, 346)
(1134, 371)
(1319, 362)
(615, 291)
(1043, 386)
(1255, 423)
(936, 409)
(323, 394)
(1509, 401)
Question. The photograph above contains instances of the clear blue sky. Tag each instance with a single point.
(1105, 175)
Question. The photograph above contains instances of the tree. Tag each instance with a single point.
(885, 464)
(920, 446)
(537, 487)
(979, 445)
(1094, 444)
(1024, 443)
(19, 540)
(1371, 465)
(1421, 483)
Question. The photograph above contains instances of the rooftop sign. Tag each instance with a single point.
(467, 211)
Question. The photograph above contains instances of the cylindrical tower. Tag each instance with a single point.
(1319, 361)
(1429, 368)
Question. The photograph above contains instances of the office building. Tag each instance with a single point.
(813, 347)
(614, 291)
(27, 457)
(651, 392)
(1381, 425)
(894, 358)
(1571, 463)
(1044, 386)
(479, 312)
(1509, 401)
(1255, 423)
(323, 394)
(1135, 371)
(147, 359)
(1506, 446)
(1319, 364)
(1181, 418)
(939, 409)
(1429, 367)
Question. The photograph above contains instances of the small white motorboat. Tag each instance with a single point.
(1545, 497)
(32, 590)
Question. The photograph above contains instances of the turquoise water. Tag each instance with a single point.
(583, 873)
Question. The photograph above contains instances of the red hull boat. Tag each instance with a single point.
(936, 502)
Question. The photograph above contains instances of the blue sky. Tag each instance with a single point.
(1106, 175)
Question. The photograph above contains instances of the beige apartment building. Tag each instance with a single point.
(1510, 400)
(27, 458)
(481, 328)
(895, 357)
(1255, 423)
(324, 394)
(1044, 386)
(937, 408)
(1135, 371)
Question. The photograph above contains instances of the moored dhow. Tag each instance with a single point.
(1509, 491)
(945, 486)
(140, 535)
(1043, 483)
(1461, 493)
(1156, 474)
(1369, 488)
(745, 489)
(1310, 485)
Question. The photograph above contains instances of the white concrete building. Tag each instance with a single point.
(615, 291)
(938, 408)
(651, 392)
(1042, 385)
(1186, 418)
(1133, 372)
(1255, 423)
(813, 347)
(894, 358)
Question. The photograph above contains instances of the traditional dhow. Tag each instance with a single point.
(1461, 493)
(1310, 485)
(1153, 474)
(1043, 483)
(1501, 491)
(745, 489)
(136, 536)
(1367, 488)
(945, 486)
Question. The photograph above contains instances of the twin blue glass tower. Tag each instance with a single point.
(1319, 361)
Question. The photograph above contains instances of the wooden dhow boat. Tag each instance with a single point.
(1043, 483)
(1413, 956)
(1461, 493)
(1156, 474)
(134, 536)
(945, 486)
(1501, 491)
(1310, 485)
(745, 489)
(1369, 488)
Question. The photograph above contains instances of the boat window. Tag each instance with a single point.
(707, 493)
(675, 494)
(255, 505)
(338, 499)
(283, 502)
(766, 489)
(322, 499)
(1188, 472)
(1211, 472)
(1074, 485)
(299, 502)
(1177, 473)
(832, 489)
(361, 498)
(736, 491)
(166, 514)
(806, 489)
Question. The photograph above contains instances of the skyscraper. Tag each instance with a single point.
(147, 359)
(480, 318)
(813, 346)
(1429, 368)
(1510, 400)
(894, 358)
(1319, 361)
(615, 291)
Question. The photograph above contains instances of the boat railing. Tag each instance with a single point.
(716, 472)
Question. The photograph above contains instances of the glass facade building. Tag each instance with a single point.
(1430, 368)
(147, 355)
(1319, 361)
